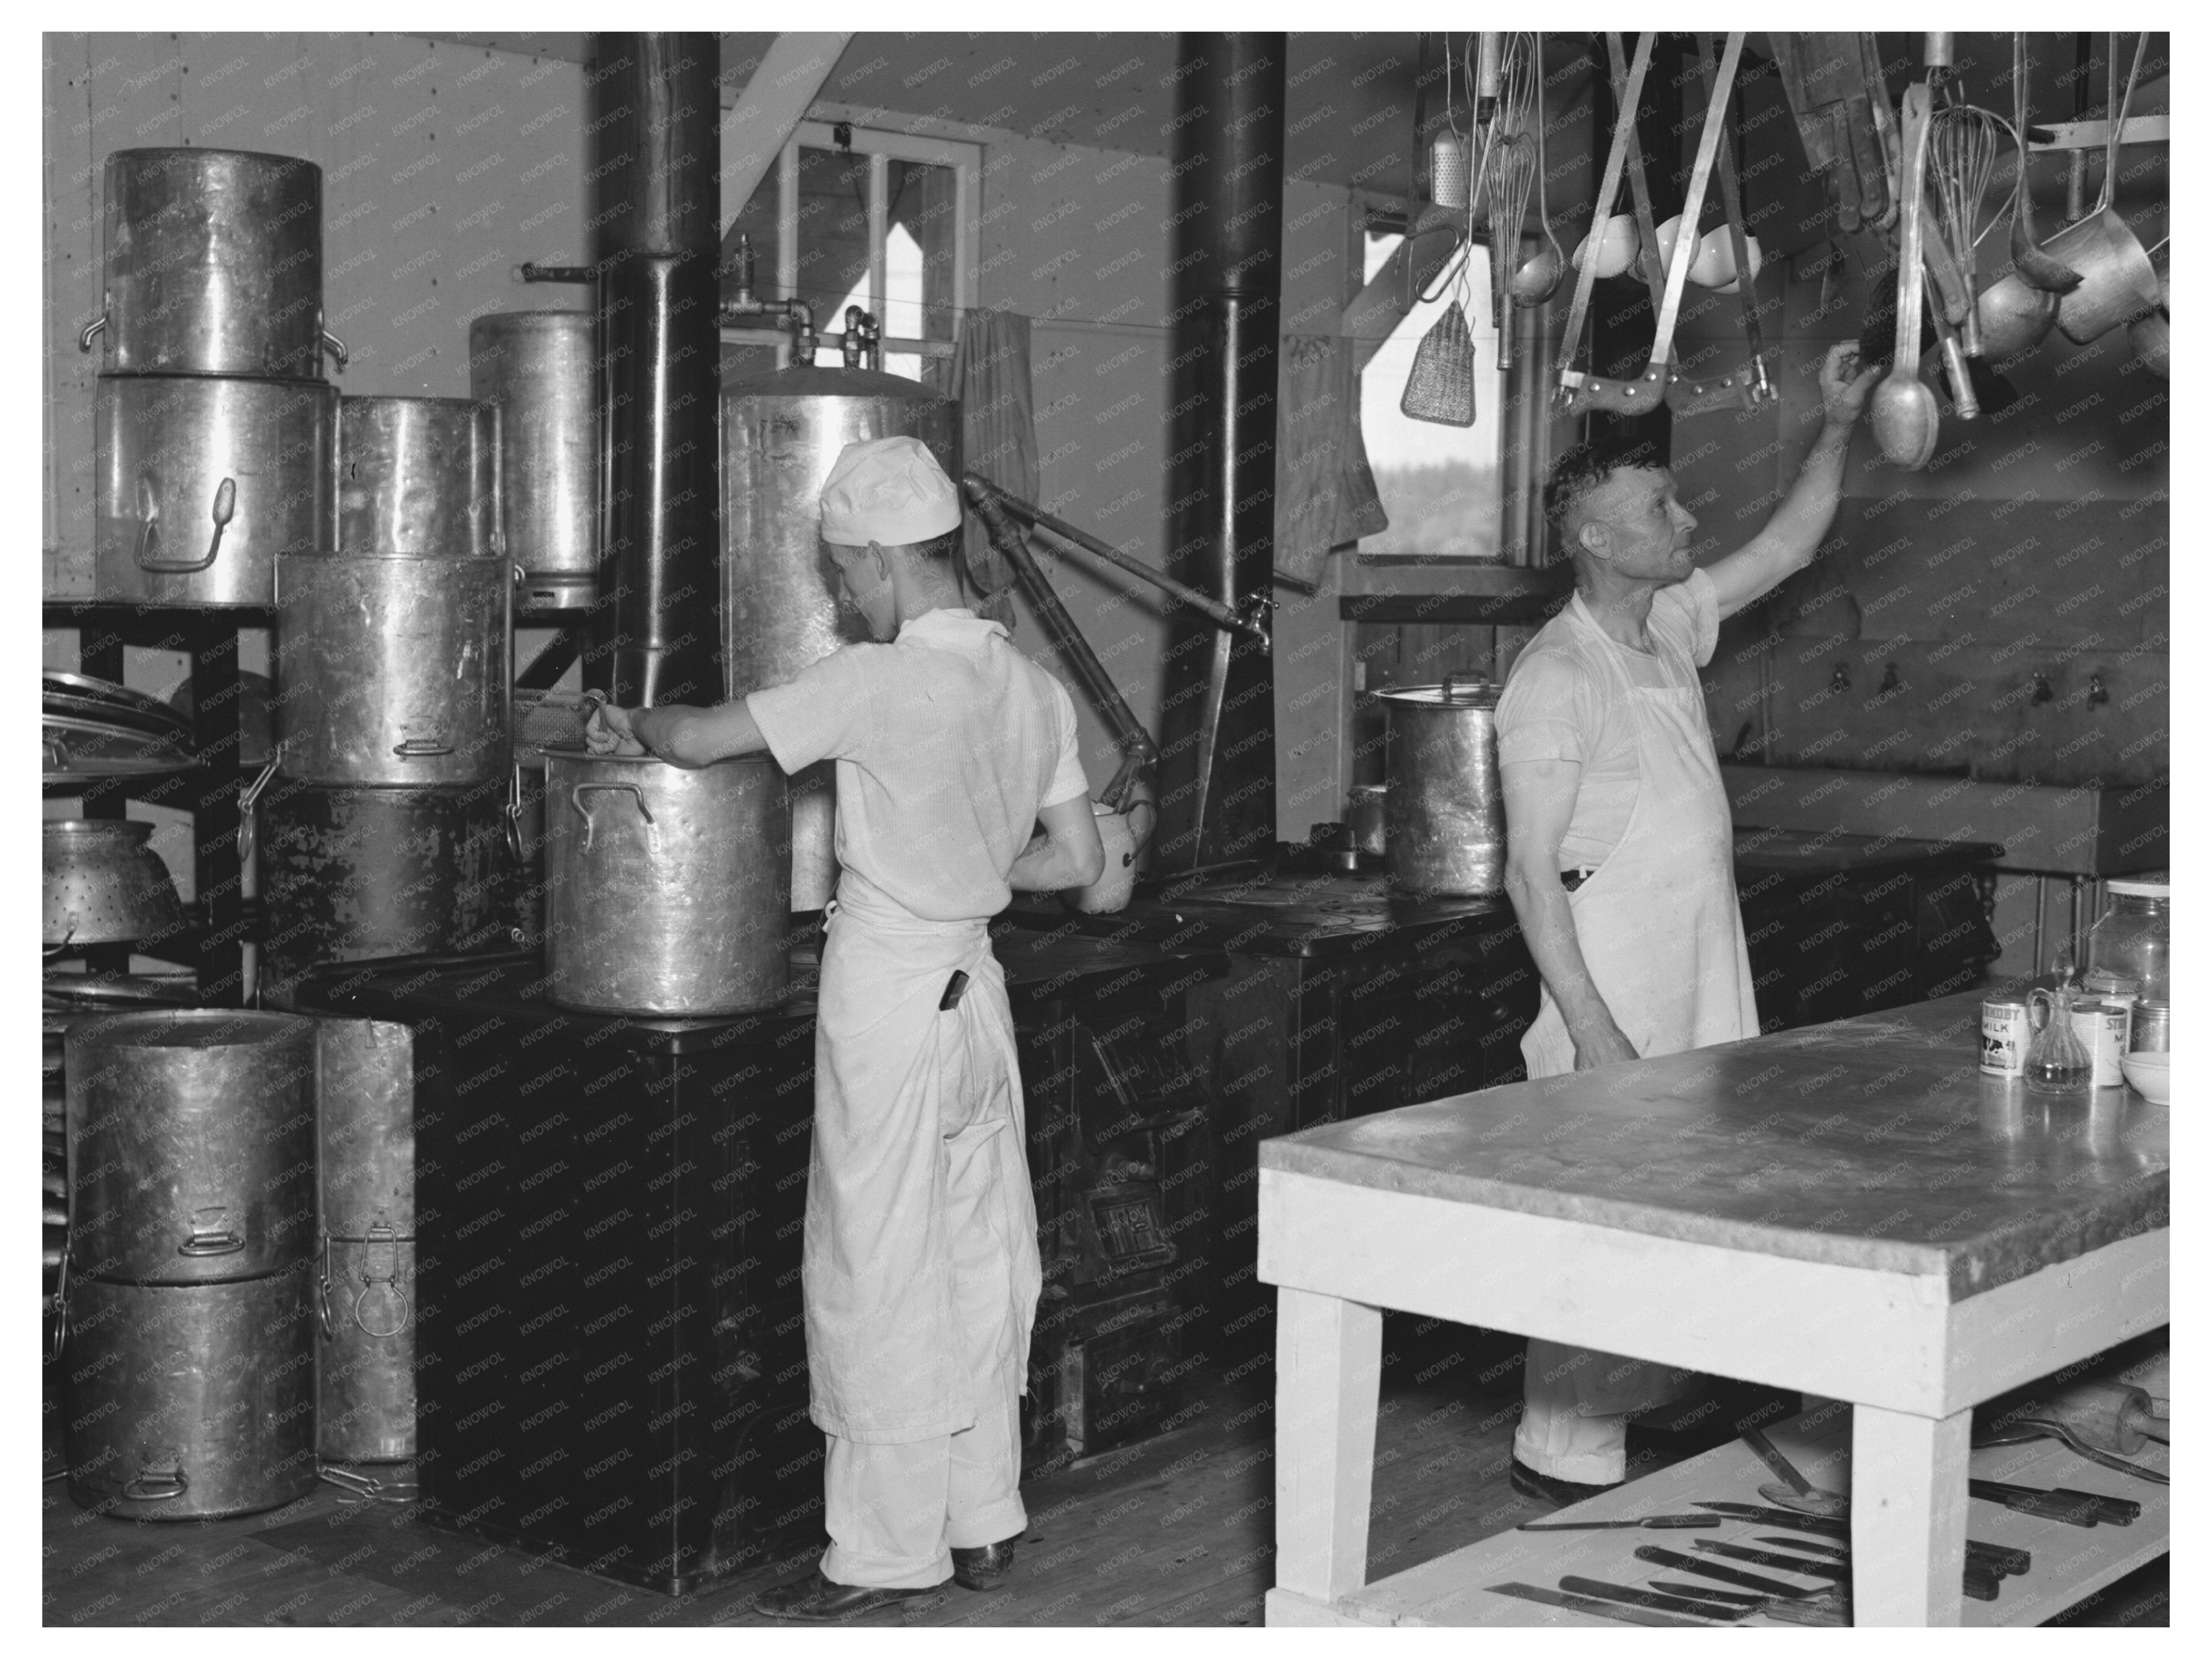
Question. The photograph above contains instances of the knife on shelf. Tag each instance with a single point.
(2003, 1556)
(1806, 1564)
(1597, 1609)
(1658, 1522)
(2058, 1503)
(1981, 1577)
(1634, 1596)
(1703, 1567)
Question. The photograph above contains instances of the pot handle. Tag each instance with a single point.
(91, 332)
(514, 814)
(576, 800)
(247, 797)
(336, 347)
(421, 747)
(154, 1485)
(226, 504)
(207, 1239)
(61, 1305)
(380, 1265)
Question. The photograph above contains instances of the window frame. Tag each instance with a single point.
(881, 146)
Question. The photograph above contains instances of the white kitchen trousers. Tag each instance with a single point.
(1575, 1407)
(896, 1512)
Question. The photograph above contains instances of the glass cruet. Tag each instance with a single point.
(2056, 1062)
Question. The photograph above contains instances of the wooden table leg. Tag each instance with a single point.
(1328, 1367)
(1908, 1516)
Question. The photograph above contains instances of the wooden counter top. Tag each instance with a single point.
(1871, 1142)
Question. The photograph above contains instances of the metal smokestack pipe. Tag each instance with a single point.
(1217, 772)
(656, 117)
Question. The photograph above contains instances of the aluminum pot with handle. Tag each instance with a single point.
(184, 1402)
(1444, 812)
(538, 367)
(191, 1145)
(419, 475)
(392, 669)
(668, 888)
(214, 264)
(202, 482)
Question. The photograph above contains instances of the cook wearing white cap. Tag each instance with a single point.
(920, 1266)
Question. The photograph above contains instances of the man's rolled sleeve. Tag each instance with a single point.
(1543, 714)
(823, 714)
(1068, 778)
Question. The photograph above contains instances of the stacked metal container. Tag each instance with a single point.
(189, 1357)
(382, 833)
(216, 433)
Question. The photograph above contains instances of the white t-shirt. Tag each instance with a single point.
(1560, 703)
(948, 741)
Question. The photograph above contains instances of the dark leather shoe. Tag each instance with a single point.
(818, 1601)
(982, 1568)
(1550, 1489)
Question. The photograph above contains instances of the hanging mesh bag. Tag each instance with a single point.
(1440, 388)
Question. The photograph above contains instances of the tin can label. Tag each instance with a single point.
(2102, 1029)
(2004, 1038)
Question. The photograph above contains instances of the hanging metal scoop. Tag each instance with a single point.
(1539, 279)
(2034, 268)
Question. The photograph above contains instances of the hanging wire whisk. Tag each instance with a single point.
(1962, 156)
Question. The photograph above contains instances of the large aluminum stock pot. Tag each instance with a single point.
(1444, 814)
(538, 367)
(202, 482)
(781, 434)
(214, 264)
(183, 1402)
(419, 475)
(668, 888)
(191, 1145)
(392, 669)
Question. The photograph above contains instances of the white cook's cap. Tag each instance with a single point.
(889, 490)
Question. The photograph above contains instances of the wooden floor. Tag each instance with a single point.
(1178, 1531)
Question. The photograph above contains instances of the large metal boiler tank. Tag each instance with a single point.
(781, 432)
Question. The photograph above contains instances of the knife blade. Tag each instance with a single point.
(1833, 1551)
(1810, 1568)
(1655, 1522)
(1595, 1609)
(2119, 1511)
(1635, 1597)
(1704, 1568)
(1700, 1592)
(1826, 1526)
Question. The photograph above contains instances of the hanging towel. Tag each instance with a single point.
(1324, 489)
(990, 375)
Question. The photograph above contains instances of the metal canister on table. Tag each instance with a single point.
(2101, 1028)
(1363, 810)
(2151, 1030)
(2004, 1037)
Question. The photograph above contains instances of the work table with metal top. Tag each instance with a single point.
(1851, 1210)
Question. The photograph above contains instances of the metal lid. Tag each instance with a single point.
(1454, 693)
(2140, 889)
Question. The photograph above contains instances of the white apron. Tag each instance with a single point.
(917, 1114)
(1659, 925)
(1662, 936)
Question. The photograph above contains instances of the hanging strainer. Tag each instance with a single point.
(1440, 388)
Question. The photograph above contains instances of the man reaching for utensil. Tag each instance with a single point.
(1620, 854)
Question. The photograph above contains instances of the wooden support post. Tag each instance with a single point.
(1908, 1516)
(1328, 1367)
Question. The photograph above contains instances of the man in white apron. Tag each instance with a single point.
(1619, 848)
(919, 1267)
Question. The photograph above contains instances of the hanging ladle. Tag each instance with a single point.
(1905, 412)
(1539, 279)
(2035, 268)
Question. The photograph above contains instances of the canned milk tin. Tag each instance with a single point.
(2004, 1038)
(2151, 1031)
(2102, 1029)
